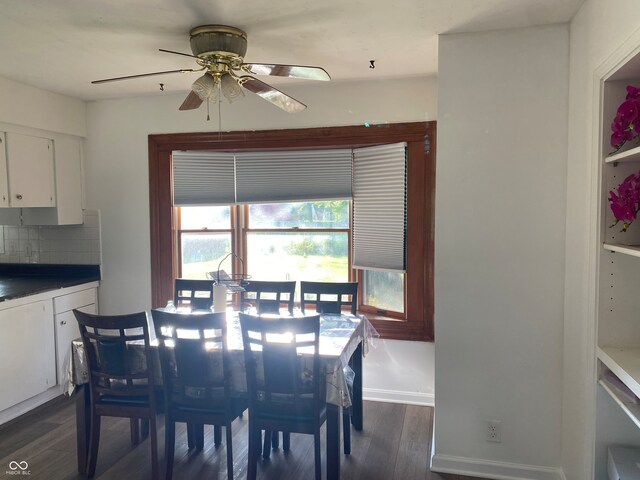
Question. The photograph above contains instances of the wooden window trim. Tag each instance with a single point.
(420, 138)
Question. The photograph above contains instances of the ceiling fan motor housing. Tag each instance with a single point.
(220, 41)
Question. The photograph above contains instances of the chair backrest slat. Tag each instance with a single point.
(329, 297)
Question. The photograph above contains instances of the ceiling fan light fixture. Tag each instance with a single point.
(219, 52)
(206, 87)
(230, 88)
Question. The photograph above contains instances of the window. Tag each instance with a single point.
(298, 241)
(383, 292)
(282, 241)
(205, 239)
(249, 232)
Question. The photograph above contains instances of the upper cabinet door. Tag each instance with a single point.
(30, 171)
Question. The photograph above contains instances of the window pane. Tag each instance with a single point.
(383, 290)
(298, 256)
(202, 252)
(212, 217)
(333, 214)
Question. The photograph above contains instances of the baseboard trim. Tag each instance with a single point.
(495, 470)
(394, 396)
(21, 408)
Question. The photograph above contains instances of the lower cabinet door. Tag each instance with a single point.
(27, 352)
(67, 330)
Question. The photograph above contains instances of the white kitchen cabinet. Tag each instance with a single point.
(40, 179)
(36, 334)
(27, 352)
(8, 216)
(30, 171)
(68, 187)
(66, 326)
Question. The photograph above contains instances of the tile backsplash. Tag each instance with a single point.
(63, 244)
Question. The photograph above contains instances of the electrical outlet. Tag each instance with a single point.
(494, 431)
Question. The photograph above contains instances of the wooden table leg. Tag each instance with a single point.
(333, 441)
(144, 428)
(82, 426)
(199, 434)
(356, 365)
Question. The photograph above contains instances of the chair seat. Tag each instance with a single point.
(237, 407)
(295, 416)
(134, 401)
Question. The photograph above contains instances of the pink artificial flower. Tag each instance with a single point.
(633, 93)
(617, 139)
(625, 201)
(627, 112)
(620, 131)
(626, 123)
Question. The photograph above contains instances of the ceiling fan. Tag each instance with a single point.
(219, 51)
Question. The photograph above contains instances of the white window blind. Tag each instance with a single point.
(293, 175)
(203, 178)
(379, 207)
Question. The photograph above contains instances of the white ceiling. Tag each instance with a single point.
(61, 45)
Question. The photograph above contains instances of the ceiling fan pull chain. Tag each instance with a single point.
(208, 110)
(219, 117)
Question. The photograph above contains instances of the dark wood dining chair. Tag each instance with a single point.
(120, 375)
(196, 294)
(196, 376)
(331, 297)
(286, 391)
(268, 296)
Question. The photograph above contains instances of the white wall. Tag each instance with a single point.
(500, 250)
(31, 107)
(117, 184)
(597, 31)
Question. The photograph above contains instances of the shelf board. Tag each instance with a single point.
(632, 155)
(632, 410)
(633, 250)
(624, 362)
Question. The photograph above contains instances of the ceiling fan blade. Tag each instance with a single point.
(192, 101)
(271, 94)
(177, 53)
(292, 71)
(128, 77)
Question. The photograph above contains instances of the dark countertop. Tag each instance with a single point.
(21, 280)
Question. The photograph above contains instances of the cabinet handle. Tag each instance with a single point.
(19, 197)
(63, 322)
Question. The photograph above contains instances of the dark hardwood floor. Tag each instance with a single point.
(393, 445)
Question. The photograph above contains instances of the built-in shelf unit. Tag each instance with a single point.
(618, 291)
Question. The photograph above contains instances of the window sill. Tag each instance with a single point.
(375, 316)
(391, 328)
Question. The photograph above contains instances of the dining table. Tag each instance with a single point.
(344, 340)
